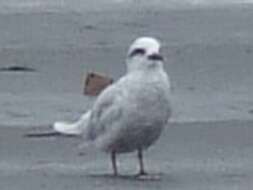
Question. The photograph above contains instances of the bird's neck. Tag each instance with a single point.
(143, 67)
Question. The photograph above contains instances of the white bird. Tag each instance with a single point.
(130, 114)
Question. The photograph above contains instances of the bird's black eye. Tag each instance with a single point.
(137, 51)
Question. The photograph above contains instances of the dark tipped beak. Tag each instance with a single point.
(155, 57)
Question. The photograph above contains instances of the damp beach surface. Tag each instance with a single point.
(46, 49)
(211, 155)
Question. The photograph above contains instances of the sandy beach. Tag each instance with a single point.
(214, 155)
(209, 53)
(209, 56)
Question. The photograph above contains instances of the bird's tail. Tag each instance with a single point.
(77, 128)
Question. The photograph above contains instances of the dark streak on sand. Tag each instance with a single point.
(17, 69)
(41, 135)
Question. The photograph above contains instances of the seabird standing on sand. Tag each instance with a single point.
(130, 114)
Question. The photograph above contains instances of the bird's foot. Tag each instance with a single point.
(148, 177)
(115, 174)
(141, 174)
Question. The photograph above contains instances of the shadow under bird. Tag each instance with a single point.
(130, 114)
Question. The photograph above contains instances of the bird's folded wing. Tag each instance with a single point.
(106, 112)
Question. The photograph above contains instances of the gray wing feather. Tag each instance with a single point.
(105, 112)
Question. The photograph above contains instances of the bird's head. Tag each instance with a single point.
(144, 53)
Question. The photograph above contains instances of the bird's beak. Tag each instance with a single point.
(155, 57)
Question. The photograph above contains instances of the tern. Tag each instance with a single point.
(130, 114)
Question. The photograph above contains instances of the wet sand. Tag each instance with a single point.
(209, 55)
(208, 52)
(214, 155)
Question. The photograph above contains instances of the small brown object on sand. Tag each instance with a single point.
(95, 83)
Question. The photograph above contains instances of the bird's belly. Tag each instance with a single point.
(140, 125)
(134, 138)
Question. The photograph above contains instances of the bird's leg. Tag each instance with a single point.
(114, 163)
(140, 157)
